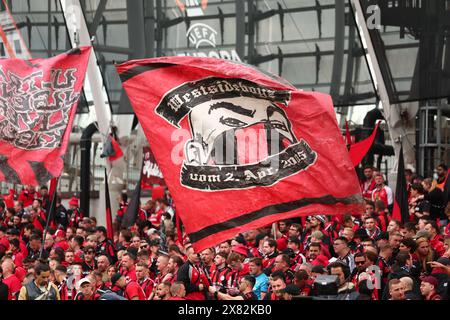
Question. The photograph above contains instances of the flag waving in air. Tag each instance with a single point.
(238, 148)
(400, 211)
(38, 101)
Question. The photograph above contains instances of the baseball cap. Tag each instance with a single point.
(321, 218)
(291, 289)
(59, 233)
(431, 280)
(115, 277)
(422, 233)
(83, 281)
(151, 231)
(73, 201)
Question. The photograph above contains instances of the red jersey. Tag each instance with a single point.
(27, 197)
(384, 194)
(130, 275)
(132, 290)
(147, 286)
(62, 244)
(14, 286)
(367, 188)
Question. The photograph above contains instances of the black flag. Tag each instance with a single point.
(109, 223)
(130, 216)
(401, 209)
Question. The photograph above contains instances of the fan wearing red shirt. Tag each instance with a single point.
(131, 290)
(277, 283)
(368, 183)
(27, 196)
(142, 274)
(163, 275)
(17, 255)
(207, 258)
(239, 270)
(269, 250)
(435, 242)
(382, 192)
(193, 276)
(128, 268)
(86, 290)
(60, 240)
(14, 285)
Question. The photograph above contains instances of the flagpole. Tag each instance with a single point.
(52, 208)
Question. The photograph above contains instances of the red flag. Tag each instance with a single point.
(118, 153)
(52, 189)
(198, 113)
(158, 192)
(151, 174)
(40, 99)
(109, 222)
(400, 211)
(359, 149)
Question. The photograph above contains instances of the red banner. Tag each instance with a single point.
(239, 149)
(151, 174)
(359, 149)
(38, 100)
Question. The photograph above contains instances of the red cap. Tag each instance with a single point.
(241, 249)
(431, 280)
(73, 201)
(59, 233)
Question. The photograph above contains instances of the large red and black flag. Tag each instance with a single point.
(108, 217)
(400, 211)
(38, 101)
(238, 148)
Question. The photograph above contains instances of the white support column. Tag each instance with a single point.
(95, 92)
(93, 86)
(391, 112)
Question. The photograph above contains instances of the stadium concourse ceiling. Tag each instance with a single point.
(314, 44)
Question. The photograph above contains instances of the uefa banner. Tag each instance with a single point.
(238, 148)
(38, 101)
(151, 174)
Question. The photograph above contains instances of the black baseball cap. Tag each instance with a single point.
(115, 277)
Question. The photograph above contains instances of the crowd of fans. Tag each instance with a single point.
(374, 256)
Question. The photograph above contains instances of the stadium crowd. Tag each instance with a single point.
(374, 256)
